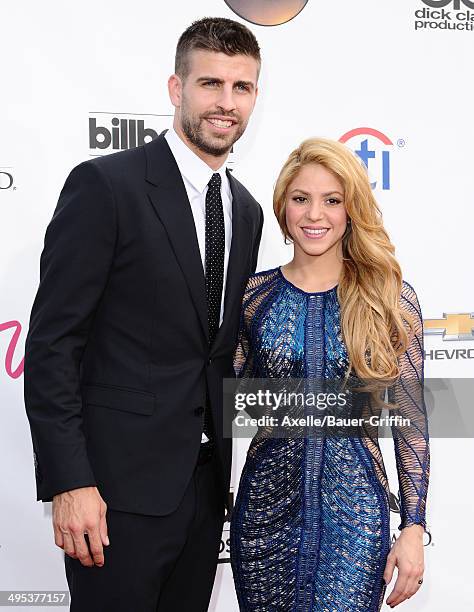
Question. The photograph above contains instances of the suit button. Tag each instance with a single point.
(199, 411)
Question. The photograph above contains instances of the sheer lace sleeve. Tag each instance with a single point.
(411, 441)
(259, 286)
(243, 356)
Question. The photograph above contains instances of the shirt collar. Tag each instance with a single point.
(192, 167)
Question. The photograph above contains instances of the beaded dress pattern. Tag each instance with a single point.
(310, 527)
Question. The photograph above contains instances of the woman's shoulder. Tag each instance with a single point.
(262, 277)
(409, 301)
(408, 294)
(260, 281)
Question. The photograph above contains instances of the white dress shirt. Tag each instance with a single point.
(196, 175)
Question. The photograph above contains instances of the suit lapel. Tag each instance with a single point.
(170, 202)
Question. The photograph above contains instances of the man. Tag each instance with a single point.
(131, 332)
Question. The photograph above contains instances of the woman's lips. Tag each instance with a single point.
(315, 234)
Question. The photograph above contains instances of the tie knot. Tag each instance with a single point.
(215, 180)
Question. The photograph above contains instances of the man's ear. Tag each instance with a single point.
(175, 90)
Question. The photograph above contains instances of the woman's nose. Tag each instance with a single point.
(314, 211)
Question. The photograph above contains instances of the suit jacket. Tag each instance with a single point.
(117, 357)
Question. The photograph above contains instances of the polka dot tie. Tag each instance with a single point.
(215, 248)
(214, 258)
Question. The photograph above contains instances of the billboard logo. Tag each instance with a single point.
(263, 12)
(111, 132)
(6, 179)
(434, 16)
(451, 326)
(373, 148)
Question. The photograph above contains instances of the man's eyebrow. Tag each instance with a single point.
(203, 79)
(208, 78)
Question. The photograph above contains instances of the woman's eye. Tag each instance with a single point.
(333, 201)
(299, 199)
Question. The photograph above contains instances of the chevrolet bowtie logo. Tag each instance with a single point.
(452, 326)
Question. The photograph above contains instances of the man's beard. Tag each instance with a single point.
(192, 128)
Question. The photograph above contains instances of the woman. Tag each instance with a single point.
(310, 528)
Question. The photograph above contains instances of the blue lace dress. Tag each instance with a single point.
(310, 526)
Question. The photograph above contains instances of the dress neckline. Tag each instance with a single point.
(287, 282)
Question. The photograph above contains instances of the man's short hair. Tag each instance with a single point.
(215, 34)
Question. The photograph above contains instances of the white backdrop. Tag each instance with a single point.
(403, 78)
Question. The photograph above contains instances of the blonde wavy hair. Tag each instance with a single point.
(375, 329)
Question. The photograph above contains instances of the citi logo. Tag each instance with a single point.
(6, 179)
(110, 132)
(373, 148)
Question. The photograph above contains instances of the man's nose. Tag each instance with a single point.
(226, 99)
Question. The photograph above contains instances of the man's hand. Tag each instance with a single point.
(76, 513)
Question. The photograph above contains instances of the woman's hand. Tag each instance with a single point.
(407, 554)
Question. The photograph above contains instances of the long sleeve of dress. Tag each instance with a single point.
(411, 441)
(242, 358)
(254, 293)
(245, 360)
